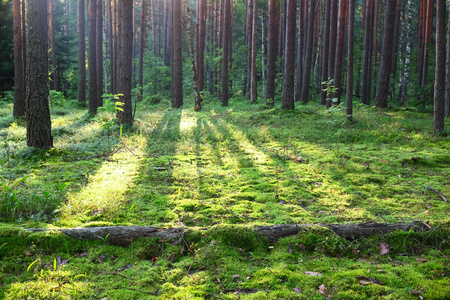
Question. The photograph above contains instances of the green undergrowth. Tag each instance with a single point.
(240, 165)
(226, 262)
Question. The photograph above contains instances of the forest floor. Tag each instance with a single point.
(243, 165)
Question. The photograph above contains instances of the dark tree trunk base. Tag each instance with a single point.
(124, 235)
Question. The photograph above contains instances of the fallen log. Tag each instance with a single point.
(124, 235)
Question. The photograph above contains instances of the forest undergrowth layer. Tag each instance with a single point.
(239, 165)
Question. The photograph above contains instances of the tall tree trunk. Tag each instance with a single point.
(54, 71)
(427, 40)
(287, 100)
(92, 57)
(403, 93)
(332, 43)
(351, 36)
(253, 85)
(99, 54)
(167, 51)
(272, 51)
(439, 81)
(201, 42)
(368, 30)
(225, 56)
(309, 51)
(340, 47)
(115, 60)
(19, 71)
(263, 52)
(325, 52)
(421, 38)
(24, 47)
(177, 61)
(248, 43)
(125, 65)
(39, 131)
(381, 99)
(301, 46)
(190, 33)
(142, 48)
(109, 37)
(447, 74)
(81, 28)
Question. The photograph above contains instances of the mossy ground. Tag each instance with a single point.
(245, 164)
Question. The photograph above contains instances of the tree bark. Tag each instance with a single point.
(272, 51)
(92, 57)
(19, 71)
(403, 92)
(367, 60)
(447, 74)
(177, 61)
(81, 28)
(115, 60)
(99, 54)
(325, 53)
(142, 48)
(125, 59)
(248, 43)
(309, 52)
(225, 54)
(37, 106)
(125, 235)
(51, 25)
(253, 80)
(439, 78)
(109, 49)
(301, 46)
(381, 99)
(351, 36)
(340, 47)
(201, 42)
(332, 43)
(287, 100)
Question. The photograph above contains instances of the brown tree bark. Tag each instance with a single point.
(272, 51)
(248, 42)
(439, 78)
(167, 51)
(427, 40)
(301, 46)
(225, 54)
(309, 52)
(367, 59)
(99, 52)
(325, 53)
(201, 42)
(447, 74)
(340, 47)
(115, 58)
(39, 131)
(125, 59)
(142, 48)
(177, 61)
(19, 71)
(81, 29)
(24, 45)
(381, 99)
(253, 79)
(92, 57)
(351, 36)
(110, 43)
(51, 25)
(332, 43)
(287, 99)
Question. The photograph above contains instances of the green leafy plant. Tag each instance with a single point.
(56, 98)
(107, 113)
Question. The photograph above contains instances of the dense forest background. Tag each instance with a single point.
(267, 44)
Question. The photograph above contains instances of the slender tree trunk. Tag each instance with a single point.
(405, 81)
(115, 59)
(253, 90)
(248, 43)
(142, 48)
(19, 71)
(272, 51)
(332, 43)
(39, 131)
(54, 71)
(421, 38)
(24, 47)
(99, 54)
(301, 46)
(351, 36)
(201, 42)
(109, 37)
(381, 99)
(287, 100)
(340, 47)
(366, 78)
(325, 52)
(92, 57)
(263, 53)
(439, 81)
(225, 56)
(447, 74)
(428, 31)
(125, 59)
(308, 53)
(81, 27)
(177, 61)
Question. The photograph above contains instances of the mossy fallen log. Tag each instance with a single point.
(124, 235)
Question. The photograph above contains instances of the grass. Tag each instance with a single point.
(242, 165)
